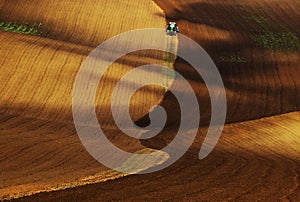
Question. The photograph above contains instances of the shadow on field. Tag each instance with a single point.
(267, 83)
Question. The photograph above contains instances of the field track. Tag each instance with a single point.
(257, 158)
(40, 148)
(268, 83)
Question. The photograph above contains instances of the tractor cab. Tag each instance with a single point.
(172, 28)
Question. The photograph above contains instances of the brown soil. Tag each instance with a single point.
(252, 162)
(255, 160)
(40, 147)
(267, 84)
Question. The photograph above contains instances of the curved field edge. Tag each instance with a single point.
(31, 116)
(269, 157)
(259, 81)
(87, 180)
(257, 158)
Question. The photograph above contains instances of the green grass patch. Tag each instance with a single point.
(233, 59)
(22, 28)
(277, 41)
(268, 34)
(260, 21)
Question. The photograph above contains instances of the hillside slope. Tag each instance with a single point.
(40, 149)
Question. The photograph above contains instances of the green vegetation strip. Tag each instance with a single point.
(23, 28)
(278, 41)
(233, 59)
(269, 34)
